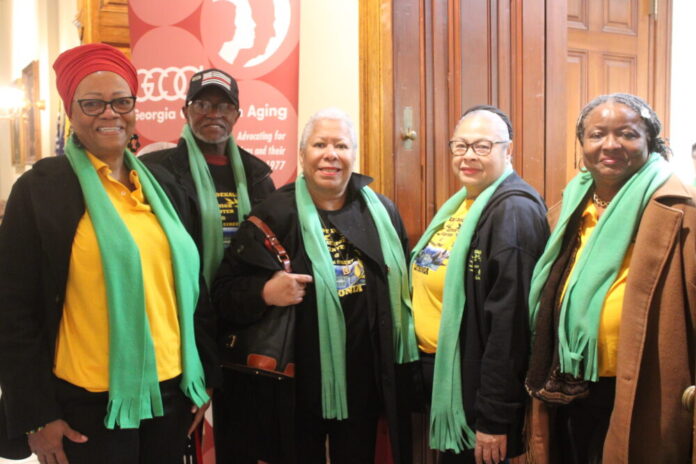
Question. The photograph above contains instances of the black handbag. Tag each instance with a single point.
(265, 347)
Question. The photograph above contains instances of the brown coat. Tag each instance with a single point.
(655, 362)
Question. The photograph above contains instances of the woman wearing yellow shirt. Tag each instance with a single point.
(470, 276)
(102, 347)
(613, 300)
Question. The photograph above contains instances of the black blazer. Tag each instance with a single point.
(175, 161)
(248, 265)
(36, 236)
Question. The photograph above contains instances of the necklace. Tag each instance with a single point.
(599, 202)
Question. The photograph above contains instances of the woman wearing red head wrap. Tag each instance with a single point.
(104, 341)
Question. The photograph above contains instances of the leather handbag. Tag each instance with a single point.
(265, 347)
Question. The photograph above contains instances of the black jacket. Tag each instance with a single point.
(247, 266)
(36, 237)
(175, 160)
(509, 238)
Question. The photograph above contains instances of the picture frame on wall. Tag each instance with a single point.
(16, 142)
(16, 145)
(31, 117)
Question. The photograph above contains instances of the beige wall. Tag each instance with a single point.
(682, 125)
(329, 61)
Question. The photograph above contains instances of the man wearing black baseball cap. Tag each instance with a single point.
(223, 181)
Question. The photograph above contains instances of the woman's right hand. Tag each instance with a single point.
(285, 289)
(47, 443)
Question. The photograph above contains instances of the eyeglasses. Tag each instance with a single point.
(480, 147)
(95, 106)
(202, 107)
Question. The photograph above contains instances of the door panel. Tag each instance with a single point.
(612, 45)
(619, 74)
(576, 83)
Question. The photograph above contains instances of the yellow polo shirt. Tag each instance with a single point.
(82, 345)
(608, 334)
(428, 279)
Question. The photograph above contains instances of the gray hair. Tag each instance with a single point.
(491, 109)
(334, 114)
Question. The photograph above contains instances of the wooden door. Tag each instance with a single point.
(615, 46)
(424, 61)
(105, 21)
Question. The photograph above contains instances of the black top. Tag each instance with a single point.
(248, 265)
(509, 238)
(226, 193)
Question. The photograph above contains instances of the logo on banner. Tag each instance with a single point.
(255, 41)
(249, 38)
(245, 32)
(168, 84)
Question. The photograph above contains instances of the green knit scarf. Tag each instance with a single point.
(449, 429)
(597, 267)
(332, 329)
(134, 392)
(211, 220)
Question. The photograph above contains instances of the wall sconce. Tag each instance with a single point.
(12, 102)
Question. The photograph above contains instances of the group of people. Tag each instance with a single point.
(519, 333)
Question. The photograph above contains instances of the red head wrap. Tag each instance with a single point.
(75, 64)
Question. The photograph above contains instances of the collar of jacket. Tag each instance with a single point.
(672, 190)
(514, 185)
(257, 170)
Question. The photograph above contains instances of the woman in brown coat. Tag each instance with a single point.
(613, 300)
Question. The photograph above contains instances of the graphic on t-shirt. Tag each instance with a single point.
(348, 265)
(432, 257)
(227, 202)
(437, 252)
(226, 192)
(349, 275)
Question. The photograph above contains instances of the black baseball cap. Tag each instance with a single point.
(213, 76)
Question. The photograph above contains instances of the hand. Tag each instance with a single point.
(47, 443)
(490, 449)
(199, 412)
(284, 289)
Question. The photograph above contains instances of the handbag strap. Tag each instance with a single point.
(272, 243)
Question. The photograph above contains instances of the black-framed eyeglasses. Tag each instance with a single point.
(96, 106)
(481, 147)
(202, 107)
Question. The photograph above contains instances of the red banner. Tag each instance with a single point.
(257, 42)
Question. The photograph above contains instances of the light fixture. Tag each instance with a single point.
(12, 102)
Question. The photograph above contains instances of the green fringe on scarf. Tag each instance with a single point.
(596, 269)
(332, 330)
(449, 429)
(134, 392)
(211, 219)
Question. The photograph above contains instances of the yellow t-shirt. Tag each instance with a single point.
(428, 279)
(82, 345)
(608, 334)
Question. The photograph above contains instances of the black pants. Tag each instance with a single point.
(252, 417)
(448, 457)
(582, 425)
(160, 440)
(351, 441)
